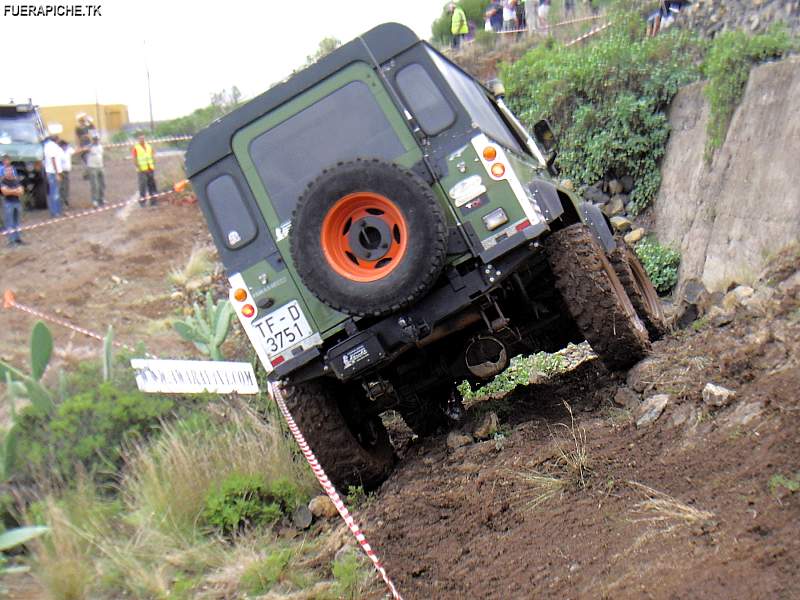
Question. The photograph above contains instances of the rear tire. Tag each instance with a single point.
(353, 449)
(425, 414)
(594, 296)
(640, 290)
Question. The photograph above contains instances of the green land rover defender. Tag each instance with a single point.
(390, 229)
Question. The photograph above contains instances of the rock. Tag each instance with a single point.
(458, 440)
(487, 428)
(737, 296)
(302, 517)
(789, 284)
(117, 280)
(177, 295)
(634, 236)
(681, 415)
(626, 398)
(744, 413)
(694, 291)
(719, 316)
(620, 223)
(615, 206)
(716, 395)
(615, 187)
(322, 507)
(595, 195)
(643, 374)
(687, 317)
(759, 301)
(651, 409)
(627, 184)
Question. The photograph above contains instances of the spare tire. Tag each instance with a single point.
(368, 237)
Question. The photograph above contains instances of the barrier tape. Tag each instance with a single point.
(10, 301)
(178, 187)
(553, 26)
(161, 140)
(330, 490)
(588, 34)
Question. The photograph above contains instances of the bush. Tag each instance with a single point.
(727, 66)
(606, 100)
(243, 501)
(261, 575)
(87, 431)
(660, 262)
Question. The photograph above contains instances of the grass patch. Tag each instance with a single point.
(521, 370)
(201, 263)
(352, 576)
(779, 480)
(660, 507)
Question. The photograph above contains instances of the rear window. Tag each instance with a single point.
(230, 212)
(345, 125)
(424, 99)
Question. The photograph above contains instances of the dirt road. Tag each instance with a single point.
(107, 269)
(703, 503)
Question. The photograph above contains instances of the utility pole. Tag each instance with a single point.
(149, 95)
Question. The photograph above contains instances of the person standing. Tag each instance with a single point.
(11, 190)
(144, 159)
(52, 168)
(509, 15)
(542, 13)
(66, 169)
(94, 165)
(459, 27)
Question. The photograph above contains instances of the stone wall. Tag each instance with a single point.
(709, 17)
(729, 216)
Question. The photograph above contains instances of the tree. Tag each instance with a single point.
(326, 46)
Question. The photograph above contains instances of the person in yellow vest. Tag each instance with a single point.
(145, 162)
(458, 24)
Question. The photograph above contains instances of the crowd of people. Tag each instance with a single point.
(57, 165)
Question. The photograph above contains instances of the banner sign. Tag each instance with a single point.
(194, 376)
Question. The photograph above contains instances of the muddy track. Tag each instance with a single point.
(689, 507)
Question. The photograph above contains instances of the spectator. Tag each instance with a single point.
(11, 190)
(144, 159)
(509, 15)
(458, 24)
(94, 165)
(494, 16)
(83, 133)
(522, 21)
(66, 168)
(542, 13)
(569, 8)
(7, 163)
(52, 167)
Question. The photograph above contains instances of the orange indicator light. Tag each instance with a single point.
(240, 295)
(490, 153)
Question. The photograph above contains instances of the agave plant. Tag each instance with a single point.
(207, 328)
(23, 385)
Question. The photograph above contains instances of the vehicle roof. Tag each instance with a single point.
(375, 47)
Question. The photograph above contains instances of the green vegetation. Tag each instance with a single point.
(351, 576)
(606, 100)
(207, 329)
(519, 372)
(22, 385)
(727, 67)
(260, 576)
(242, 501)
(12, 539)
(779, 480)
(660, 262)
(222, 103)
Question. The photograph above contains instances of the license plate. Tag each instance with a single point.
(283, 328)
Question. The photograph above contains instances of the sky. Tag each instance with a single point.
(192, 49)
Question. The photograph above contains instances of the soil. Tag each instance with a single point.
(689, 507)
(106, 269)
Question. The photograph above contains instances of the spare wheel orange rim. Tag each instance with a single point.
(364, 236)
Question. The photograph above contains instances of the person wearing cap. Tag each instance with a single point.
(52, 167)
(94, 167)
(458, 24)
(144, 160)
(66, 168)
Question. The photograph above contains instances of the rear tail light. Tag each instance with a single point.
(498, 169)
(523, 225)
(248, 310)
(495, 219)
(277, 360)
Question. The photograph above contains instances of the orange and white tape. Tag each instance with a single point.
(554, 25)
(10, 301)
(178, 187)
(330, 490)
(161, 140)
(588, 34)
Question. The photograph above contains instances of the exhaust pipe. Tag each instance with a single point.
(485, 357)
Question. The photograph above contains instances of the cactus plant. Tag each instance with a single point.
(31, 386)
(108, 356)
(207, 329)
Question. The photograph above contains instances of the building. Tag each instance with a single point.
(108, 118)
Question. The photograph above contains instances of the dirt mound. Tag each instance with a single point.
(572, 500)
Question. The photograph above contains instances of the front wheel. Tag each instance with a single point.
(354, 449)
(595, 297)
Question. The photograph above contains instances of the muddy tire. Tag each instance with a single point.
(640, 290)
(368, 237)
(425, 414)
(352, 451)
(594, 296)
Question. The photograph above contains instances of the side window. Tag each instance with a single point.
(230, 212)
(424, 99)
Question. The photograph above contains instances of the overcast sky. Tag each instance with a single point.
(192, 48)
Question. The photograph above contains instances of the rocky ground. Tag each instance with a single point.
(677, 480)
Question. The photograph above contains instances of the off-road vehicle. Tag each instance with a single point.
(390, 230)
(22, 135)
